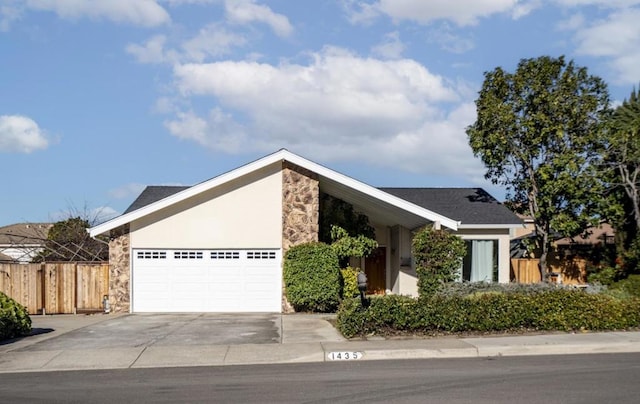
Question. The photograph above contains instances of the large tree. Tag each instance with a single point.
(623, 169)
(538, 132)
(623, 152)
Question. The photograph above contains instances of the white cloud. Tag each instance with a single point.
(599, 3)
(151, 51)
(524, 8)
(10, 12)
(21, 134)
(127, 191)
(449, 41)
(182, 2)
(218, 131)
(247, 11)
(359, 12)
(391, 46)
(210, 42)
(461, 12)
(616, 38)
(139, 12)
(574, 22)
(339, 106)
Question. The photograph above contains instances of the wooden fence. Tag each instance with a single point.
(56, 287)
(573, 271)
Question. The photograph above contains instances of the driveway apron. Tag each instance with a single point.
(144, 330)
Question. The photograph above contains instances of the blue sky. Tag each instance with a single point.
(99, 98)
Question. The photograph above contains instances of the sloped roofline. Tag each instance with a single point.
(281, 155)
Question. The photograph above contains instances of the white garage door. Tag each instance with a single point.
(206, 281)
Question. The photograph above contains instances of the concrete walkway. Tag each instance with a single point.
(304, 338)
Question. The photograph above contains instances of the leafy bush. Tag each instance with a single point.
(349, 282)
(312, 277)
(14, 318)
(630, 286)
(438, 256)
(347, 246)
(605, 276)
(489, 311)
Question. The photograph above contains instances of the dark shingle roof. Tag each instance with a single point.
(5, 258)
(24, 233)
(467, 205)
(153, 193)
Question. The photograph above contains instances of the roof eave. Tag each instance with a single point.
(490, 226)
(281, 155)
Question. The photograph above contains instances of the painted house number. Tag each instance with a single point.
(344, 356)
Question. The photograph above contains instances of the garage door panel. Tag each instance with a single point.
(206, 281)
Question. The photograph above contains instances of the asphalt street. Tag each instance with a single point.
(603, 378)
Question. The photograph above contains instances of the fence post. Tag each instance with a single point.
(75, 295)
(43, 270)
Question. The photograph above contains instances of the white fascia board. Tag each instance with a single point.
(187, 193)
(372, 191)
(281, 155)
(490, 226)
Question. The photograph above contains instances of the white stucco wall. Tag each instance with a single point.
(246, 213)
(407, 282)
(407, 278)
(503, 237)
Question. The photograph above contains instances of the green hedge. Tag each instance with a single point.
(312, 277)
(14, 318)
(492, 311)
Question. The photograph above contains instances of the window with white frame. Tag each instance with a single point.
(481, 262)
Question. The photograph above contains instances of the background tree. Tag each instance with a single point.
(68, 240)
(622, 167)
(538, 132)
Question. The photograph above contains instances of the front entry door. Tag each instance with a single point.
(375, 267)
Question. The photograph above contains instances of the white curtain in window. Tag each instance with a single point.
(482, 261)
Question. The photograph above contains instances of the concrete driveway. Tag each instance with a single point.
(144, 330)
(86, 332)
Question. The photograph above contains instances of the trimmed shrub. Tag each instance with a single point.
(438, 256)
(489, 311)
(312, 277)
(14, 318)
(383, 315)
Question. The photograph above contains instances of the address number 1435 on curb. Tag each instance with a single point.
(344, 356)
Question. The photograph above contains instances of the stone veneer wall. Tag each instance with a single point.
(119, 273)
(300, 210)
(300, 206)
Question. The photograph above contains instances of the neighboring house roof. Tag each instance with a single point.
(472, 207)
(20, 242)
(6, 258)
(601, 234)
(24, 233)
(153, 193)
(368, 198)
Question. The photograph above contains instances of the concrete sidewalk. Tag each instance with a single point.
(304, 338)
